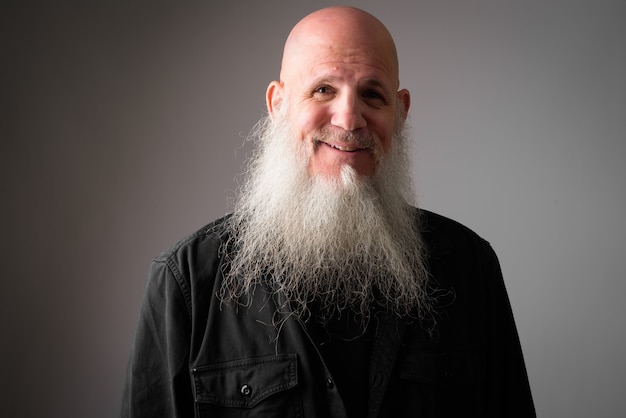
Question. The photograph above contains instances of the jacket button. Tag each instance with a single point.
(246, 390)
(329, 383)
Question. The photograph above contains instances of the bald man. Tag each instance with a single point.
(327, 293)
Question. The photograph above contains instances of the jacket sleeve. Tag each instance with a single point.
(508, 389)
(158, 382)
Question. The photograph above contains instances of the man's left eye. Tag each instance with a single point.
(373, 95)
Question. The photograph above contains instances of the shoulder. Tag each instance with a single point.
(206, 241)
(455, 252)
(191, 267)
(194, 260)
(443, 231)
(460, 259)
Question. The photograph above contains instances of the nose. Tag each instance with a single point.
(347, 113)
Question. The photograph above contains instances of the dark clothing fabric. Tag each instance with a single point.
(196, 357)
(345, 347)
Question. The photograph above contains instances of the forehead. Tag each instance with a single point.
(362, 61)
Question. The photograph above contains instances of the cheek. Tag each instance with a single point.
(384, 129)
(307, 120)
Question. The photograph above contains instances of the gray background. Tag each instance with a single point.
(122, 128)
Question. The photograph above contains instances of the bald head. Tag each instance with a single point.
(344, 33)
(339, 76)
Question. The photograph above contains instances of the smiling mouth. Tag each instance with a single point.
(344, 148)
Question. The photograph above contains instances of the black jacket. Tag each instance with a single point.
(196, 357)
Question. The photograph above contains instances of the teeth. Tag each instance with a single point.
(347, 149)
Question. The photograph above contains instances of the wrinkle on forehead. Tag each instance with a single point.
(341, 34)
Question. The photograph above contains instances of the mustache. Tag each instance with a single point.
(358, 139)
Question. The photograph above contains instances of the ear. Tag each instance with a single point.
(405, 100)
(274, 96)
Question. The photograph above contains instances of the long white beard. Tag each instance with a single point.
(346, 243)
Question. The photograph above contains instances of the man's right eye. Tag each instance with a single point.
(323, 90)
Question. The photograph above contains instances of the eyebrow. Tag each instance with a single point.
(367, 82)
(326, 79)
(373, 82)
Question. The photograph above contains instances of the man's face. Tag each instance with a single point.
(341, 89)
(342, 98)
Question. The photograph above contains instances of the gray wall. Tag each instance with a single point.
(122, 130)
